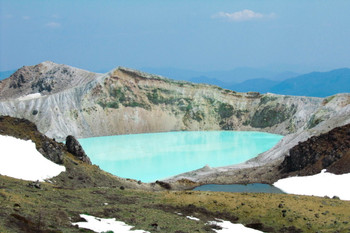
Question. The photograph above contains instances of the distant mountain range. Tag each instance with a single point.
(316, 84)
(227, 76)
(319, 84)
(261, 85)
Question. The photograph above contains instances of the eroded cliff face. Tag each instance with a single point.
(85, 104)
(128, 101)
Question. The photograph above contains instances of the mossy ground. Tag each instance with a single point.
(53, 208)
(271, 212)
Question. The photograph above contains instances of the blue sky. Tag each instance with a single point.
(198, 35)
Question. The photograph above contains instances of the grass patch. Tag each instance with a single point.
(111, 104)
(225, 110)
(265, 99)
(328, 99)
(52, 209)
(313, 122)
(271, 212)
(272, 115)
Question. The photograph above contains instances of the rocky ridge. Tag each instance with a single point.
(46, 78)
(125, 101)
(128, 101)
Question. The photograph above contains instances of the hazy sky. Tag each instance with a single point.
(199, 35)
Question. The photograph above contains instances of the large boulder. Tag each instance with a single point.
(74, 147)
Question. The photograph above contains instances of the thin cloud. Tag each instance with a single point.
(244, 15)
(53, 25)
(25, 17)
(8, 16)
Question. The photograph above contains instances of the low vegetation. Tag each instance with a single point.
(272, 115)
(85, 189)
(267, 212)
(52, 208)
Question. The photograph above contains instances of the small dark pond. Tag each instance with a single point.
(240, 188)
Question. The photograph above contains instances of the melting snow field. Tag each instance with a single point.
(192, 218)
(105, 224)
(110, 224)
(229, 227)
(21, 160)
(322, 184)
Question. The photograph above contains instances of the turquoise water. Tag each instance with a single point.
(151, 157)
(240, 188)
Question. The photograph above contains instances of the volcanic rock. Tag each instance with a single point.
(74, 147)
(329, 151)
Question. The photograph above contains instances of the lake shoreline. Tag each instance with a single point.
(159, 156)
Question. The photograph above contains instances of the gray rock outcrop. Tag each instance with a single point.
(52, 151)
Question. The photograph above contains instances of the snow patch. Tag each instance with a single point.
(29, 97)
(110, 224)
(322, 184)
(105, 224)
(193, 218)
(21, 160)
(229, 227)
